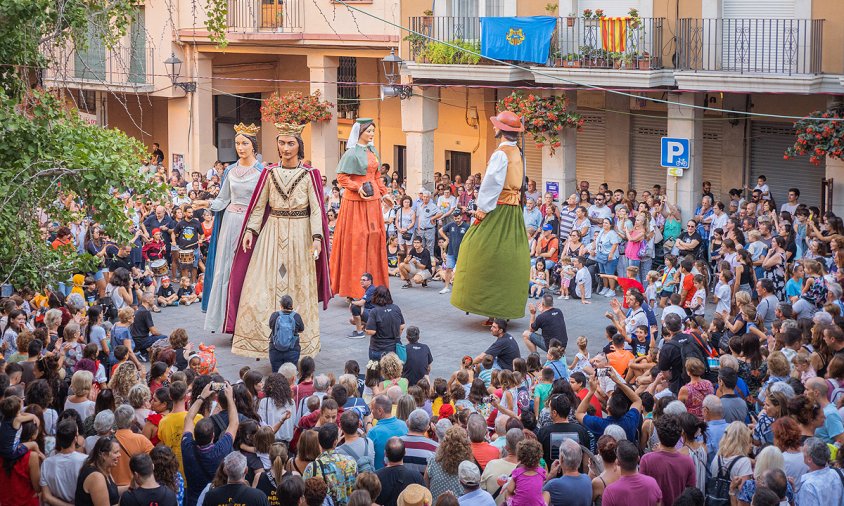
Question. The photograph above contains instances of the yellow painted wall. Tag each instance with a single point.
(535, 7)
(141, 117)
(833, 34)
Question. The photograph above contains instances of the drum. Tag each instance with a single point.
(186, 257)
(158, 267)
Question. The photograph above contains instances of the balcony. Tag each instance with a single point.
(124, 68)
(754, 54)
(272, 16)
(597, 51)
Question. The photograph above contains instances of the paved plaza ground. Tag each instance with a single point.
(449, 332)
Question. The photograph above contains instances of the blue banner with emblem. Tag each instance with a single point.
(525, 39)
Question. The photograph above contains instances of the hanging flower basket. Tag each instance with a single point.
(295, 108)
(819, 137)
(544, 117)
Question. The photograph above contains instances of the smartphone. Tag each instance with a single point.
(218, 386)
(602, 372)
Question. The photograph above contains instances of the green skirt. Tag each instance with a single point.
(493, 267)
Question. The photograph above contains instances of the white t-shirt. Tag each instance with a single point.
(719, 221)
(765, 190)
(637, 317)
(789, 207)
(600, 213)
(698, 302)
(583, 277)
(59, 474)
(741, 468)
(672, 309)
(270, 415)
(724, 294)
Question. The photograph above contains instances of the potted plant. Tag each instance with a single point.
(572, 61)
(635, 21)
(570, 19)
(819, 135)
(599, 13)
(427, 19)
(551, 8)
(555, 57)
(587, 13)
(544, 117)
(616, 59)
(644, 61)
(296, 108)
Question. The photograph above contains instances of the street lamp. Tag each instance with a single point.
(392, 71)
(174, 69)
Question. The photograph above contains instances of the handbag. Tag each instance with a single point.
(401, 351)
(405, 235)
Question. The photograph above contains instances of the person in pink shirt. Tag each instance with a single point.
(632, 487)
(672, 470)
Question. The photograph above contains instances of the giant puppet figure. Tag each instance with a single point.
(229, 209)
(360, 242)
(283, 252)
(493, 268)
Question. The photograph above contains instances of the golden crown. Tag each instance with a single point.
(251, 129)
(289, 129)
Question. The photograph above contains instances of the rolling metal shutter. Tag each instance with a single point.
(712, 142)
(533, 161)
(592, 148)
(768, 144)
(773, 9)
(645, 170)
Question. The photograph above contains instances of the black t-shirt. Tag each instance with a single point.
(235, 494)
(455, 234)
(151, 223)
(267, 484)
(143, 322)
(552, 323)
(505, 349)
(687, 237)
(552, 436)
(117, 261)
(670, 359)
(424, 257)
(188, 233)
(166, 291)
(418, 359)
(184, 291)
(158, 156)
(386, 321)
(160, 496)
(393, 482)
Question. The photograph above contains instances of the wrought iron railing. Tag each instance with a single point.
(124, 65)
(265, 16)
(633, 43)
(629, 43)
(768, 46)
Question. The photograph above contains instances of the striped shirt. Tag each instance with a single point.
(567, 218)
(417, 451)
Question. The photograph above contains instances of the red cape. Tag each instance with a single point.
(241, 259)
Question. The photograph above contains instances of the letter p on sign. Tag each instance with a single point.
(674, 152)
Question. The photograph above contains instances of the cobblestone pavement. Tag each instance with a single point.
(449, 332)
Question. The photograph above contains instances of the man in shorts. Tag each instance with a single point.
(417, 266)
(453, 234)
(360, 307)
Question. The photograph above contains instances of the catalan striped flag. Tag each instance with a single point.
(614, 34)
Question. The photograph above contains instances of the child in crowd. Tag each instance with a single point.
(538, 280)
(525, 484)
(556, 360)
(803, 366)
(581, 359)
(542, 390)
(640, 344)
(653, 288)
(698, 303)
(121, 353)
(11, 447)
(567, 273)
(669, 280)
(186, 294)
(166, 295)
(619, 358)
(485, 369)
(794, 286)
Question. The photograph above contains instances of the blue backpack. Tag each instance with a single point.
(284, 336)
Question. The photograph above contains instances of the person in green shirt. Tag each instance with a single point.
(542, 390)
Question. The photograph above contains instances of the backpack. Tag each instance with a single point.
(523, 397)
(284, 331)
(363, 463)
(718, 486)
(689, 348)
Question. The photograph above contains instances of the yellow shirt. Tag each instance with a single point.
(170, 430)
(437, 404)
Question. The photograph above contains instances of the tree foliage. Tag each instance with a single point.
(51, 158)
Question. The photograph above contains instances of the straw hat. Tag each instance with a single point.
(415, 495)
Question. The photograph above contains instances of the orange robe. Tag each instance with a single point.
(360, 241)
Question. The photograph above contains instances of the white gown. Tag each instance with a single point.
(234, 197)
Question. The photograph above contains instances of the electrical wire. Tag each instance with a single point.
(577, 83)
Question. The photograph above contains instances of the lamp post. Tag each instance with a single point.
(174, 69)
(392, 71)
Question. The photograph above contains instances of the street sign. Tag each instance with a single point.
(674, 171)
(675, 152)
(553, 187)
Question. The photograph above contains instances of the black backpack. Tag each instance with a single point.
(689, 348)
(718, 486)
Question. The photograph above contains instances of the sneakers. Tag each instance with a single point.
(445, 290)
(606, 292)
(565, 297)
(356, 335)
(407, 285)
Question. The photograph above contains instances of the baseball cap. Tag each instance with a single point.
(548, 226)
(165, 278)
(156, 231)
(468, 473)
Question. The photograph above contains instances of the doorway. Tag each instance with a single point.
(459, 164)
(399, 161)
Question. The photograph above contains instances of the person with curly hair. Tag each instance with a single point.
(808, 415)
(441, 473)
(526, 481)
(276, 408)
(788, 439)
(391, 368)
(124, 378)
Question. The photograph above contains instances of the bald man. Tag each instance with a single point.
(832, 430)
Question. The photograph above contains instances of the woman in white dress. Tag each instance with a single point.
(238, 184)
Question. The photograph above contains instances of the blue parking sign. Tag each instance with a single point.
(675, 152)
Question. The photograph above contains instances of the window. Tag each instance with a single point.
(228, 112)
(348, 95)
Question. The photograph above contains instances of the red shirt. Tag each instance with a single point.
(581, 394)
(689, 286)
(628, 283)
(484, 452)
